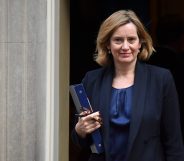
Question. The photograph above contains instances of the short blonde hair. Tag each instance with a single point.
(108, 27)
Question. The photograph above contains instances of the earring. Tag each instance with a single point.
(109, 51)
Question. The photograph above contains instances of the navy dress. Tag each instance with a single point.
(120, 111)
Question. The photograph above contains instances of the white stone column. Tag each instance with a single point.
(23, 78)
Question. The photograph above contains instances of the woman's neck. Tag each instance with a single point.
(124, 76)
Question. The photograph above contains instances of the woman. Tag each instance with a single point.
(136, 102)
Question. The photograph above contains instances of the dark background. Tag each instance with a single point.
(85, 19)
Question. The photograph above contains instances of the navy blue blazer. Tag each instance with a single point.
(155, 132)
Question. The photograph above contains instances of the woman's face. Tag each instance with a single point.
(125, 44)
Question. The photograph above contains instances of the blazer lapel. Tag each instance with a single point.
(138, 101)
(105, 100)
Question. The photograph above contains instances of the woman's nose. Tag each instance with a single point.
(125, 45)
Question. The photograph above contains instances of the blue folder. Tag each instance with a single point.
(80, 100)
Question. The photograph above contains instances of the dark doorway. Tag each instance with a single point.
(86, 17)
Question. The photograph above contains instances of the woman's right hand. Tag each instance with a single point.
(87, 124)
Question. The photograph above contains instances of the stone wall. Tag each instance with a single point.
(22, 79)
